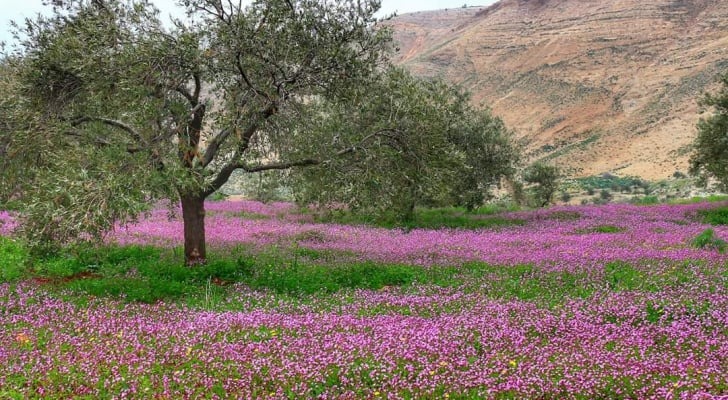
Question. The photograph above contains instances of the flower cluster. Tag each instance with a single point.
(562, 238)
(7, 223)
(624, 308)
(608, 346)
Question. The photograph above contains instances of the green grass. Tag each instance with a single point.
(714, 198)
(602, 229)
(12, 260)
(714, 216)
(621, 276)
(645, 200)
(708, 240)
(11, 205)
(485, 217)
(148, 274)
(564, 215)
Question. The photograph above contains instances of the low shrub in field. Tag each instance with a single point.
(708, 240)
(715, 216)
(645, 200)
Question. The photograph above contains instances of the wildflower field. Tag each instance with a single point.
(590, 302)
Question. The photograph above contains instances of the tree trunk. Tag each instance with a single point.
(193, 216)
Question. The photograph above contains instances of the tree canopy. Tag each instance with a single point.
(710, 155)
(545, 181)
(107, 109)
(411, 142)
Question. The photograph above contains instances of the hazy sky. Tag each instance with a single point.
(18, 10)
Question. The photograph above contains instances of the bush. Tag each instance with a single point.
(546, 179)
(605, 195)
(708, 240)
(218, 196)
(715, 216)
(645, 200)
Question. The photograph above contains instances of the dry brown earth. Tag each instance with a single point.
(593, 85)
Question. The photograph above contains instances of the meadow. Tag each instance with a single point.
(590, 302)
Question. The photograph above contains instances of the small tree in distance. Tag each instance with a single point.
(710, 148)
(425, 145)
(545, 179)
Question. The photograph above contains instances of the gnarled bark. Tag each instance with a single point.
(193, 216)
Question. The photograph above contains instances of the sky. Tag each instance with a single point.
(18, 10)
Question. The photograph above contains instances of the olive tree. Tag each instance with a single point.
(409, 142)
(545, 181)
(710, 155)
(111, 109)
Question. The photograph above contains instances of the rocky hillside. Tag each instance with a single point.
(594, 85)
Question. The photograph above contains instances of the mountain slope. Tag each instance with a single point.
(592, 85)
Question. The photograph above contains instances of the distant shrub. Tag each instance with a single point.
(565, 197)
(607, 181)
(605, 195)
(218, 196)
(546, 180)
(708, 240)
(645, 200)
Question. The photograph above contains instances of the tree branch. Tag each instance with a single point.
(111, 122)
(186, 94)
(100, 142)
(228, 169)
(214, 146)
(192, 97)
(241, 71)
(198, 87)
(280, 165)
(234, 164)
